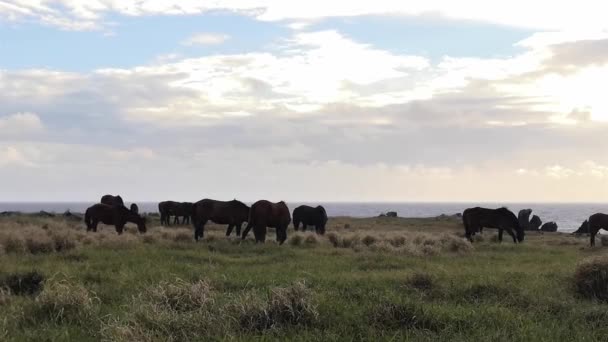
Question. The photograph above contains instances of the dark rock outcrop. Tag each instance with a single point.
(549, 227)
(535, 223)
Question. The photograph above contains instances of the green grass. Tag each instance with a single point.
(166, 288)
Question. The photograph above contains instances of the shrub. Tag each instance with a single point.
(333, 238)
(296, 240)
(28, 283)
(180, 295)
(63, 241)
(13, 243)
(591, 278)
(421, 281)
(62, 301)
(311, 239)
(286, 306)
(389, 315)
(39, 243)
(369, 240)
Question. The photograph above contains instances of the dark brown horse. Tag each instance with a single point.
(183, 210)
(475, 219)
(167, 209)
(164, 209)
(596, 222)
(310, 216)
(233, 213)
(112, 200)
(117, 216)
(267, 214)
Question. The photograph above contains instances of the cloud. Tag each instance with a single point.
(90, 14)
(318, 113)
(20, 124)
(206, 39)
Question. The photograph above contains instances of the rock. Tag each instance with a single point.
(549, 227)
(535, 223)
(524, 218)
(391, 214)
(45, 214)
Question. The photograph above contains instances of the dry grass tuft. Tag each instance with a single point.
(63, 301)
(287, 306)
(604, 240)
(390, 315)
(421, 281)
(591, 278)
(180, 295)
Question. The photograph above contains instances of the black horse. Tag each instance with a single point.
(265, 214)
(112, 200)
(596, 222)
(117, 216)
(310, 216)
(233, 213)
(475, 219)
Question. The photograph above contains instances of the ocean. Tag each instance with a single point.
(568, 216)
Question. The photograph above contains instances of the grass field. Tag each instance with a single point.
(366, 279)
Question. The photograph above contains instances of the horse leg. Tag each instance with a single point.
(592, 233)
(296, 225)
(94, 226)
(229, 230)
(510, 231)
(238, 229)
(247, 229)
(282, 234)
(500, 234)
(119, 228)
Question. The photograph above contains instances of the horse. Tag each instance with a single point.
(267, 214)
(310, 216)
(233, 213)
(164, 209)
(112, 215)
(475, 219)
(112, 200)
(596, 222)
(183, 210)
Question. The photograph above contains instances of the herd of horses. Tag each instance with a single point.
(260, 216)
(264, 214)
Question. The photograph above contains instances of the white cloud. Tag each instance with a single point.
(206, 39)
(541, 14)
(19, 124)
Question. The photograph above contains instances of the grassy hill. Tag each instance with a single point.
(366, 279)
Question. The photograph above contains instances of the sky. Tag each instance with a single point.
(467, 101)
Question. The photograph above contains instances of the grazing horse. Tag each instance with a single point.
(134, 208)
(164, 209)
(310, 216)
(475, 219)
(183, 210)
(267, 214)
(112, 200)
(596, 222)
(112, 215)
(233, 213)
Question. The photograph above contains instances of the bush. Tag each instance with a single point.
(62, 301)
(23, 283)
(13, 243)
(287, 306)
(591, 278)
(333, 238)
(389, 315)
(296, 240)
(369, 240)
(39, 243)
(421, 281)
